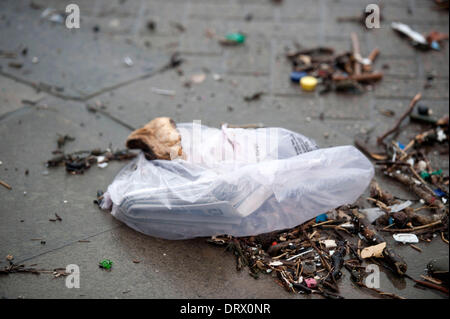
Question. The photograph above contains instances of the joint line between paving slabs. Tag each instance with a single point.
(68, 244)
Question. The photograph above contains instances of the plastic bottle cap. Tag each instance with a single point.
(236, 37)
(296, 76)
(308, 83)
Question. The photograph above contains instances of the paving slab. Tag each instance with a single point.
(15, 95)
(29, 137)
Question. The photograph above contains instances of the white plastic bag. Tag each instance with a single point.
(238, 182)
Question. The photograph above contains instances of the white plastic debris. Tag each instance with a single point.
(406, 30)
(103, 164)
(441, 135)
(373, 214)
(101, 159)
(163, 92)
(421, 166)
(235, 181)
(217, 77)
(198, 78)
(329, 243)
(128, 61)
(406, 238)
(276, 263)
(52, 15)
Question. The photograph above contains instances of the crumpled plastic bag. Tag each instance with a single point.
(238, 182)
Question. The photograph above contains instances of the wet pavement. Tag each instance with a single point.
(76, 68)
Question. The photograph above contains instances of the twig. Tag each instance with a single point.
(356, 52)
(443, 238)
(400, 120)
(407, 230)
(5, 185)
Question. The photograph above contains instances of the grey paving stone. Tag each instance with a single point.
(251, 58)
(227, 11)
(197, 43)
(435, 63)
(397, 87)
(346, 106)
(397, 67)
(13, 95)
(136, 104)
(29, 137)
(71, 63)
(438, 89)
(308, 10)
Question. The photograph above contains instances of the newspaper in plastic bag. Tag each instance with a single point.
(238, 182)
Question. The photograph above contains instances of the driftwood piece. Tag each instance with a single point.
(420, 190)
(400, 120)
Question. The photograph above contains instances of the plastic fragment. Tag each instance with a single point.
(406, 238)
(439, 192)
(106, 264)
(311, 282)
(321, 218)
(308, 83)
(237, 37)
(296, 76)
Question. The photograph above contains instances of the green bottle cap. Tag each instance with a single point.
(235, 37)
(106, 264)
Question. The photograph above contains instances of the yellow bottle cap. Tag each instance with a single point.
(308, 83)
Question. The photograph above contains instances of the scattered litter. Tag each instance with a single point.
(217, 77)
(345, 72)
(406, 238)
(78, 162)
(308, 83)
(254, 97)
(198, 78)
(163, 92)
(128, 61)
(297, 76)
(4, 184)
(106, 264)
(432, 41)
(321, 218)
(103, 165)
(373, 251)
(63, 139)
(233, 39)
(53, 15)
(15, 65)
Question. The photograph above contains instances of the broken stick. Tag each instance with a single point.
(400, 120)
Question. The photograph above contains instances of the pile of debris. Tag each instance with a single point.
(309, 258)
(346, 72)
(78, 162)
